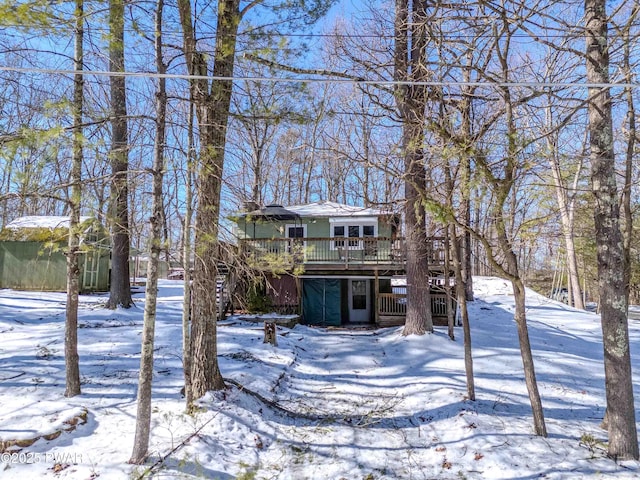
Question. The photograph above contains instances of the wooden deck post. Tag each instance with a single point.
(376, 298)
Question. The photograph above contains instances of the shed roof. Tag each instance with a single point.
(42, 221)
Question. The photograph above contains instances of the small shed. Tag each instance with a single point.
(32, 254)
(139, 262)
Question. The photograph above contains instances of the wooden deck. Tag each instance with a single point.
(341, 257)
(338, 253)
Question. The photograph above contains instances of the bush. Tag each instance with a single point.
(257, 300)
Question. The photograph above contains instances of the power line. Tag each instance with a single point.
(272, 34)
(352, 81)
(346, 36)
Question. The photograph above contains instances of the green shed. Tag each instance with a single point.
(32, 254)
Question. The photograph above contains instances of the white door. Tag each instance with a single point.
(359, 301)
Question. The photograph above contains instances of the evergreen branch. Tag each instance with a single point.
(302, 71)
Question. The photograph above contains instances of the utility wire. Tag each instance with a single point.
(554, 31)
(345, 36)
(353, 81)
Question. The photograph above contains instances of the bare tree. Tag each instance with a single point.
(461, 298)
(625, 35)
(212, 101)
(120, 290)
(143, 415)
(566, 197)
(566, 176)
(261, 112)
(411, 98)
(75, 179)
(502, 188)
(500, 174)
(186, 263)
(212, 104)
(623, 439)
(465, 106)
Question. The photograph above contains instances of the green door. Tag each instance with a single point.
(321, 301)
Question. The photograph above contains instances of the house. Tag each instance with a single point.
(32, 254)
(333, 264)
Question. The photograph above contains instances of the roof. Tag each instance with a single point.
(272, 212)
(333, 209)
(42, 221)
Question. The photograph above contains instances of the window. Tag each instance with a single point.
(359, 295)
(338, 231)
(295, 232)
(354, 233)
(370, 246)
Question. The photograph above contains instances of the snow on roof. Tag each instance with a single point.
(42, 221)
(333, 209)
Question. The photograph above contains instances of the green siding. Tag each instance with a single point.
(317, 227)
(37, 266)
(384, 229)
(260, 229)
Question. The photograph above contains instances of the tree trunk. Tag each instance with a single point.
(72, 366)
(447, 287)
(212, 110)
(419, 316)
(527, 357)
(410, 64)
(465, 160)
(566, 206)
(143, 415)
(567, 221)
(186, 265)
(625, 201)
(120, 290)
(502, 188)
(455, 253)
(464, 314)
(510, 266)
(623, 440)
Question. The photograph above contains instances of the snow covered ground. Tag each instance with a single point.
(326, 404)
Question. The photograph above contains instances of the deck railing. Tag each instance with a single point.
(286, 253)
(395, 304)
